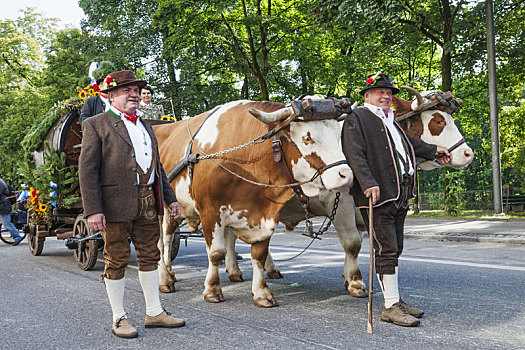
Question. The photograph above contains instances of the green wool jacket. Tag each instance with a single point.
(108, 170)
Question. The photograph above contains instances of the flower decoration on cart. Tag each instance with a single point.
(89, 90)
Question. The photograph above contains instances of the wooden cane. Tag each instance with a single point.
(371, 273)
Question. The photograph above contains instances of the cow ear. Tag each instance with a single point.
(400, 106)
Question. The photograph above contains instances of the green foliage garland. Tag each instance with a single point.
(54, 170)
(39, 130)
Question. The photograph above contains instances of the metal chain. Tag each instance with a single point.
(257, 140)
(213, 155)
(308, 229)
(322, 229)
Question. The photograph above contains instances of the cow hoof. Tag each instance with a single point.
(274, 275)
(167, 288)
(357, 290)
(214, 297)
(265, 302)
(358, 293)
(235, 278)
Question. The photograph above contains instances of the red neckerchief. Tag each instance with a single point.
(131, 118)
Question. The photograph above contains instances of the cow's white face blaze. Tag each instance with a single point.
(439, 129)
(319, 143)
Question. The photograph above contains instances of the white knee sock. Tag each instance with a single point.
(115, 290)
(149, 280)
(389, 288)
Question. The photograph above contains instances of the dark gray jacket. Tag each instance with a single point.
(5, 204)
(93, 106)
(370, 154)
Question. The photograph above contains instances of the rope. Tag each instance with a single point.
(255, 141)
(296, 255)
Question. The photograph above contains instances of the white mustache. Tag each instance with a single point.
(133, 99)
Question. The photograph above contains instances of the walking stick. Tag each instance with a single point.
(371, 273)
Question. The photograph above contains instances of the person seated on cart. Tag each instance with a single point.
(95, 104)
(124, 188)
(5, 212)
(150, 110)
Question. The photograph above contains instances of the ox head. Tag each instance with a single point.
(318, 143)
(434, 125)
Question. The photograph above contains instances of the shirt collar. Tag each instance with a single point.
(122, 115)
(380, 112)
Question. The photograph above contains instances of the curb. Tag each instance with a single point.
(459, 218)
(481, 238)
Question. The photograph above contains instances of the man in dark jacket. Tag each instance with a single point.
(124, 189)
(382, 158)
(5, 212)
(95, 104)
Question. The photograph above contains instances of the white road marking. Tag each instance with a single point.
(276, 254)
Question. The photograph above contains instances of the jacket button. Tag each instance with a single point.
(393, 180)
(134, 169)
(382, 130)
(386, 147)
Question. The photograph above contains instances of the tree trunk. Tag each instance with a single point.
(263, 86)
(304, 81)
(244, 90)
(446, 72)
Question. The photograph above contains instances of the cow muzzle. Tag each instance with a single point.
(336, 175)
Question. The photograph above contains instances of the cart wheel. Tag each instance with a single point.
(36, 244)
(175, 244)
(87, 251)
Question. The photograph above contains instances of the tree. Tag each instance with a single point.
(68, 58)
(22, 96)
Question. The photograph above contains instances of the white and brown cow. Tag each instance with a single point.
(433, 126)
(225, 203)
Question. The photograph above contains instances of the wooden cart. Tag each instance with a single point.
(67, 224)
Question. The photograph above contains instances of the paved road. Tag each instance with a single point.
(510, 231)
(472, 293)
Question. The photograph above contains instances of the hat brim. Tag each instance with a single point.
(140, 83)
(395, 90)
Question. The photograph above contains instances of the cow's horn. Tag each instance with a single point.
(342, 117)
(272, 117)
(418, 96)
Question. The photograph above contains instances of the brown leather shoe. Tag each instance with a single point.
(123, 329)
(164, 320)
(411, 310)
(398, 315)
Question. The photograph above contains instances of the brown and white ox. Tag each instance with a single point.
(433, 126)
(227, 205)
